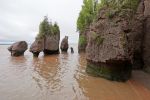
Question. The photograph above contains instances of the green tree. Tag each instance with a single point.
(47, 28)
(55, 28)
(44, 27)
(87, 14)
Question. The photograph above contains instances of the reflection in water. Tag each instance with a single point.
(55, 74)
(47, 72)
(61, 77)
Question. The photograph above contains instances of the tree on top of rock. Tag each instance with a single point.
(47, 28)
(56, 28)
(87, 14)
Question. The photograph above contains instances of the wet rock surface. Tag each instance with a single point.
(18, 48)
(64, 44)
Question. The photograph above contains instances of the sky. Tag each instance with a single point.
(20, 19)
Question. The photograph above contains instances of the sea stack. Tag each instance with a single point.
(146, 39)
(47, 39)
(18, 48)
(64, 44)
(37, 46)
(72, 51)
(115, 40)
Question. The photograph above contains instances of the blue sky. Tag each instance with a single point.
(20, 19)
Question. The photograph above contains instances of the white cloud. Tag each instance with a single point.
(20, 19)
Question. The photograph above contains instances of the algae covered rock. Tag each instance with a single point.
(18, 48)
(146, 42)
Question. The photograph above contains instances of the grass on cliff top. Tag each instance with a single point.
(120, 4)
(125, 8)
(91, 8)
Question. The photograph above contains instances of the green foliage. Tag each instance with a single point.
(82, 40)
(87, 14)
(47, 28)
(55, 29)
(90, 9)
(110, 14)
(97, 38)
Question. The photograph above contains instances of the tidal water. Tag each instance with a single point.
(62, 77)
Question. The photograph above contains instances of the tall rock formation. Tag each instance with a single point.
(146, 42)
(47, 40)
(64, 44)
(119, 40)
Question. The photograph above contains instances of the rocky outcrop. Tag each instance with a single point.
(18, 48)
(72, 51)
(51, 44)
(48, 44)
(47, 39)
(119, 41)
(64, 44)
(37, 46)
(146, 42)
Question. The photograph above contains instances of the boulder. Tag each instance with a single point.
(18, 48)
(64, 44)
(37, 46)
(51, 44)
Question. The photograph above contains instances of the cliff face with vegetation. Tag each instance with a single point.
(48, 38)
(86, 17)
(118, 39)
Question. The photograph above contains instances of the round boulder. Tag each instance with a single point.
(18, 48)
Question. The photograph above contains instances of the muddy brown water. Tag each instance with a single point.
(62, 77)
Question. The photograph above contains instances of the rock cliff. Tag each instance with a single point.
(119, 40)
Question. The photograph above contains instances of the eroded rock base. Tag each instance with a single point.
(118, 71)
(50, 52)
(36, 54)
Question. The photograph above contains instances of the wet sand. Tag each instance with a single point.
(63, 77)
